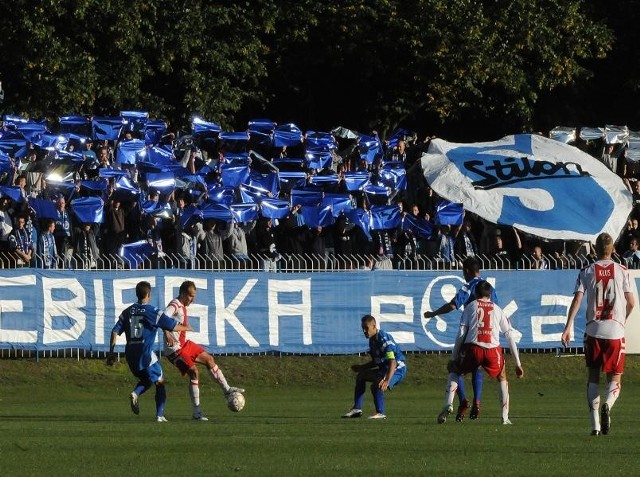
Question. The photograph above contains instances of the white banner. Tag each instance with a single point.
(533, 183)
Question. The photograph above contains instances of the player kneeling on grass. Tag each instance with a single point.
(478, 344)
(385, 370)
(184, 353)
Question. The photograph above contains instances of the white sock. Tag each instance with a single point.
(503, 394)
(612, 393)
(450, 390)
(593, 400)
(194, 392)
(217, 375)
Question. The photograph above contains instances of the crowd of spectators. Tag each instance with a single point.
(170, 212)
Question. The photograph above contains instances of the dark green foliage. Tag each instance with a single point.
(376, 64)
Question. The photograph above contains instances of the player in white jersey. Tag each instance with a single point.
(478, 344)
(609, 303)
(184, 354)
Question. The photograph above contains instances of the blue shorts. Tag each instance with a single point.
(152, 374)
(398, 376)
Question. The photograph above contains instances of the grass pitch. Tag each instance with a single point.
(66, 417)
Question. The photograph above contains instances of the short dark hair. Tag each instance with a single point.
(471, 264)
(143, 290)
(186, 286)
(366, 319)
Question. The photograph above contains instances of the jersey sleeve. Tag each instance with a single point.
(118, 327)
(166, 322)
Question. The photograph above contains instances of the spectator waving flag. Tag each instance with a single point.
(449, 213)
(536, 184)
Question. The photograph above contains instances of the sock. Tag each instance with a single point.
(462, 395)
(503, 393)
(476, 379)
(358, 393)
(378, 397)
(612, 393)
(194, 392)
(140, 388)
(453, 383)
(593, 400)
(161, 399)
(217, 375)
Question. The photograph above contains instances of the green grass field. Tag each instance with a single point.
(67, 417)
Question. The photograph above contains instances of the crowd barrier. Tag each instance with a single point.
(294, 262)
(245, 312)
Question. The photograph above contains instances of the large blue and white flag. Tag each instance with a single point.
(533, 183)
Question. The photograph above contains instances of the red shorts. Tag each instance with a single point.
(185, 358)
(606, 354)
(473, 356)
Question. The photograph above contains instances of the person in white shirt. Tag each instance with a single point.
(609, 303)
(478, 344)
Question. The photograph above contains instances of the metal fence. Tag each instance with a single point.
(297, 263)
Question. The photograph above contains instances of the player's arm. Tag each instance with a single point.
(514, 352)
(443, 310)
(631, 302)
(573, 310)
(117, 330)
(393, 364)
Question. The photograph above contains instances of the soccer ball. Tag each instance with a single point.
(235, 402)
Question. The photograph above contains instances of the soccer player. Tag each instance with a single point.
(465, 295)
(478, 345)
(184, 354)
(385, 370)
(609, 303)
(140, 322)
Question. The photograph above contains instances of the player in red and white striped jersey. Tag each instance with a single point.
(609, 303)
(478, 345)
(184, 354)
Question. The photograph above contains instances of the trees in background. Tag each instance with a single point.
(494, 66)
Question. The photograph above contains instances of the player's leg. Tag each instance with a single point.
(593, 398)
(503, 394)
(194, 393)
(378, 399)
(593, 359)
(453, 380)
(216, 373)
(156, 376)
(477, 378)
(613, 366)
(140, 388)
(367, 375)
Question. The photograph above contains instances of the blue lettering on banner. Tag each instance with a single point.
(238, 312)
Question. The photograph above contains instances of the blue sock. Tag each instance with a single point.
(161, 399)
(358, 394)
(476, 378)
(378, 398)
(462, 396)
(140, 388)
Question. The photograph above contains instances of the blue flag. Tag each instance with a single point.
(318, 216)
(88, 210)
(128, 151)
(274, 208)
(385, 217)
(288, 135)
(449, 213)
(44, 208)
(245, 212)
(136, 253)
(106, 128)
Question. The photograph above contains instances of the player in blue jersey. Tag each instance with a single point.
(465, 295)
(385, 370)
(140, 323)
